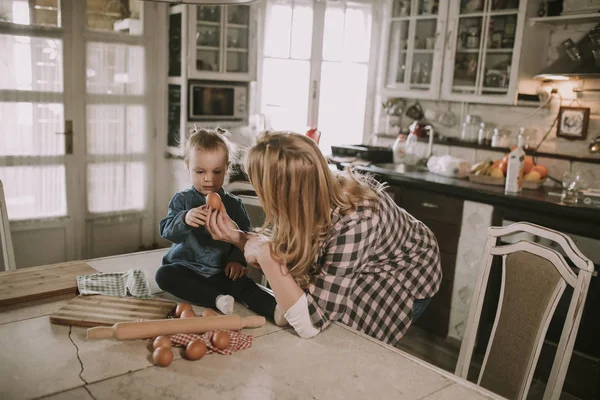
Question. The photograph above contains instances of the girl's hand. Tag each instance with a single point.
(257, 248)
(223, 228)
(234, 270)
(196, 216)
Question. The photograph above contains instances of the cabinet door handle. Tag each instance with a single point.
(429, 205)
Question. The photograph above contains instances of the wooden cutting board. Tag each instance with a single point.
(100, 310)
(41, 282)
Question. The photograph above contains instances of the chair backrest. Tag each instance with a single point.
(8, 255)
(534, 278)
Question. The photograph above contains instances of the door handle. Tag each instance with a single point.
(68, 136)
(429, 205)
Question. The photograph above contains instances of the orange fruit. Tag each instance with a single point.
(496, 163)
(533, 176)
(541, 169)
(503, 166)
(527, 164)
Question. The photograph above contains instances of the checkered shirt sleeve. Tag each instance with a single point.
(376, 261)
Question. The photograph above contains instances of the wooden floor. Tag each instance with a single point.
(444, 354)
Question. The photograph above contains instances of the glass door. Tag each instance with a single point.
(415, 48)
(237, 32)
(485, 46)
(208, 38)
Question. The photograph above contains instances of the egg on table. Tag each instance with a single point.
(162, 341)
(162, 356)
(181, 308)
(220, 340)
(195, 350)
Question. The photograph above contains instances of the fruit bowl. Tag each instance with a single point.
(491, 180)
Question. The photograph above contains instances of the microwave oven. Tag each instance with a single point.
(217, 101)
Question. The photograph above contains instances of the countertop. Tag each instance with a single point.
(538, 201)
(41, 359)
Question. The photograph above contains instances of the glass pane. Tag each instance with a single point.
(505, 5)
(401, 8)
(342, 117)
(425, 34)
(115, 69)
(428, 7)
(30, 63)
(421, 70)
(238, 15)
(302, 24)
(465, 69)
(123, 16)
(285, 93)
(497, 70)
(117, 186)
(471, 6)
(30, 129)
(502, 32)
(467, 53)
(237, 61)
(34, 191)
(207, 60)
(116, 129)
(237, 38)
(397, 52)
(278, 29)
(209, 14)
(31, 12)
(347, 33)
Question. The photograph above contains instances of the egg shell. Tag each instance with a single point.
(213, 200)
(162, 341)
(188, 314)
(162, 356)
(220, 340)
(209, 313)
(195, 350)
(181, 308)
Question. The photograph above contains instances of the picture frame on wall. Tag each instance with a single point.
(573, 123)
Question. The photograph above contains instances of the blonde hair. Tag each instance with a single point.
(298, 191)
(207, 140)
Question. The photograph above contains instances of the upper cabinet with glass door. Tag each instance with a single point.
(222, 42)
(415, 47)
(482, 56)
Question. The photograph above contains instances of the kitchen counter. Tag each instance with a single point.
(538, 202)
(41, 359)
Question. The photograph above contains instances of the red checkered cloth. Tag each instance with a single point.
(237, 341)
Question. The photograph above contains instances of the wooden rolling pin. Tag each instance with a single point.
(149, 329)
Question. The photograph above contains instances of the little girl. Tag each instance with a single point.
(197, 268)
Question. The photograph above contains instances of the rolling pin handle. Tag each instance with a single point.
(100, 332)
(253, 322)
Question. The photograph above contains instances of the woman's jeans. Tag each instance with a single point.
(419, 305)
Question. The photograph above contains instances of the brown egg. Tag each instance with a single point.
(162, 341)
(213, 200)
(195, 350)
(188, 314)
(220, 340)
(181, 308)
(162, 356)
(209, 313)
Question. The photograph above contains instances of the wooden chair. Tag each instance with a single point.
(8, 255)
(533, 279)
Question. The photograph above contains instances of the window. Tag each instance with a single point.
(315, 67)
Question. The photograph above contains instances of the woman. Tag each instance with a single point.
(334, 248)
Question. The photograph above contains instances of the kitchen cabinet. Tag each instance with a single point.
(443, 215)
(222, 42)
(467, 50)
(414, 44)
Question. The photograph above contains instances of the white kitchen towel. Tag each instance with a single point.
(120, 284)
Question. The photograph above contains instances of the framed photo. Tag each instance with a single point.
(573, 122)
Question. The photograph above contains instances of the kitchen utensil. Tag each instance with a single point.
(415, 111)
(100, 310)
(41, 282)
(148, 329)
(420, 128)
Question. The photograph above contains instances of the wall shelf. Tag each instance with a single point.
(566, 19)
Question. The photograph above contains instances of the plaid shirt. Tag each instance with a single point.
(372, 266)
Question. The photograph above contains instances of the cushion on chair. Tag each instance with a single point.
(530, 283)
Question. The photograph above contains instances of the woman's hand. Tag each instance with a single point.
(196, 216)
(257, 247)
(223, 228)
(234, 270)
